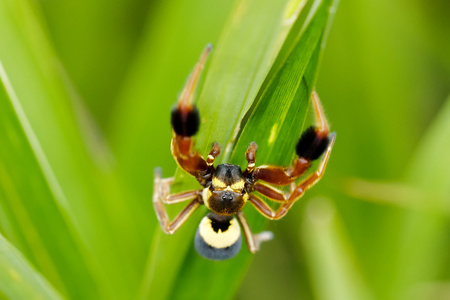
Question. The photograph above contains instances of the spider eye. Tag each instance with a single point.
(227, 197)
(218, 238)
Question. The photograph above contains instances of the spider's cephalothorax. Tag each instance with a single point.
(226, 188)
(227, 193)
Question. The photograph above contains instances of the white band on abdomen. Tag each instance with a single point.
(220, 239)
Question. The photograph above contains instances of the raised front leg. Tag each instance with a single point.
(185, 120)
(296, 193)
(311, 145)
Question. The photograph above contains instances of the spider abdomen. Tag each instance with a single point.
(218, 237)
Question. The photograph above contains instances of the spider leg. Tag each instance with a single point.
(311, 145)
(250, 155)
(267, 211)
(185, 120)
(295, 194)
(312, 179)
(253, 240)
(161, 188)
(270, 192)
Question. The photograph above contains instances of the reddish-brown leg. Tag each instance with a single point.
(267, 211)
(253, 240)
(281, 175)
(310, 147)
(312, 179)
(185, 123)
(250, 155)
(161, 189)
(270, 192)
(296, 192)
(186, 156)
(190, 160)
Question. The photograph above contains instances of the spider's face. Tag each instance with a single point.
(227, 193)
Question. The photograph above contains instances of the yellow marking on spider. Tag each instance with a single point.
(217, 183)
(238, 185)
(219, 239)
(273, 133)
(245, 197)
(206, 194)
(210, 160)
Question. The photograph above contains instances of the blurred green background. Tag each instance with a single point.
(85, 120)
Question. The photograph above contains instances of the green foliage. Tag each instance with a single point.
(18, 280)
(34, 226)
(85, 94)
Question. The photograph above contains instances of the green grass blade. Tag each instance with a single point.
(388, 95)
(331, 260)
(95, 41)
(239, 65)
(36, 215)
(281, 107)
(18, 279)
(173, 39)
(429, 169)
(73, 148)
(425, 231)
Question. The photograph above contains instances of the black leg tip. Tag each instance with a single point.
(311, 144)
(185, 123)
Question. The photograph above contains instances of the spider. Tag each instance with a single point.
(226, 188)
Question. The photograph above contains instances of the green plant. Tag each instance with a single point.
(80, 222)
(85, 96)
